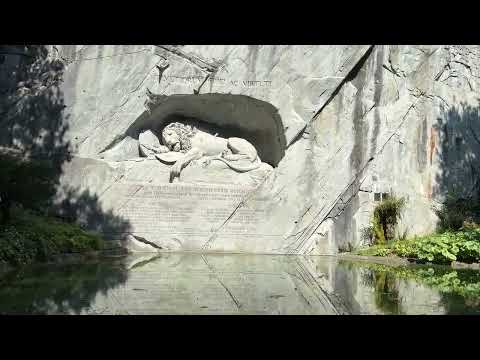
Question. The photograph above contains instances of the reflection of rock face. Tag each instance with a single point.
(364, 290)
(181, 283)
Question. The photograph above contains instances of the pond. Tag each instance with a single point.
(237, 284)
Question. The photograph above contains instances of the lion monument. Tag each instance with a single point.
(184, 142)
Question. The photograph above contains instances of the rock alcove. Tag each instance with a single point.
(224, 114)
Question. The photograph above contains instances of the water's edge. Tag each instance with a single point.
(187, 283)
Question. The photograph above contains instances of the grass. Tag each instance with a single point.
(29, 238)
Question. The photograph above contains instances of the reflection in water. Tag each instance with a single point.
(385, 290)
(386, 293)
(448, 290)
(58, 289)
(237, 284)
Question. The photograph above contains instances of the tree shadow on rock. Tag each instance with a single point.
(34, 125)
(458, 181)
(84, 207)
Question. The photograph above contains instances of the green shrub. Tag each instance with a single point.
(441, 248)
(468, 243)
(404, 248)
(23, 181)
(456, 212)
(385, 218)
(376, 250)
(15, 248)
(29, 237)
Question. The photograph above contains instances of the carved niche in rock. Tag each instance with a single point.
(185, 142)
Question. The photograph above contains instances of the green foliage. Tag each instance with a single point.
(28, 238)
(456, 212)
(405, 248)
(440, 248)
(375, 250)
(378, 232)
(386, 292)
(33, 290)
(25, 182)
(464, 284)
(385, 218)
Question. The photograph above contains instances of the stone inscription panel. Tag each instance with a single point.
(189, 209)
(195, 79)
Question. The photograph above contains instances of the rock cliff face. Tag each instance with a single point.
(339, 125)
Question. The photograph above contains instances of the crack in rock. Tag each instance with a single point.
(70, 61)
(317, 221)
(332, 95)
(194, 59)
(103, 122)
(145, 241)
(237, 303)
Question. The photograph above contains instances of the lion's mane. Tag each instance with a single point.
(184, 132)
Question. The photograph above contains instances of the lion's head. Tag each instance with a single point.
(176, 136)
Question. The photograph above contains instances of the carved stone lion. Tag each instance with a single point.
(192, 143)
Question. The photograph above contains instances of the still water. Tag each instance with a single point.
(237, 284)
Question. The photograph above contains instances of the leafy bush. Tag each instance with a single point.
(443, 248)
(456, 212)
(376, 250)
(29, 237)
(440, 248)
(458, 238)
(404, 248)
(30, 183)
(15, 248)
(385, 218)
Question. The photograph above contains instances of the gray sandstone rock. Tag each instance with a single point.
(334, 126)
(147, 141)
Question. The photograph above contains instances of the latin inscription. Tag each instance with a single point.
(195, 209)
(218, 81)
